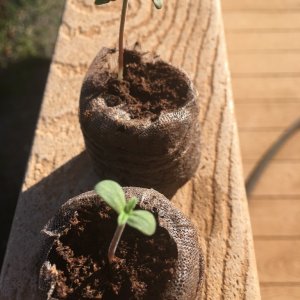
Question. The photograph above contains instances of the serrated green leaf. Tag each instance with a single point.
(122, 218)
(143, 221)
(112, 193)
(100, 2)
(131, 204)
(158, 3)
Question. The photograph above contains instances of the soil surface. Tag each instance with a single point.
(147, 88)
(142, 268)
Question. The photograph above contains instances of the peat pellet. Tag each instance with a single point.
(168, 265)
(144, 130)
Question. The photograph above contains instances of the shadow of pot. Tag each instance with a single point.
(144, 130)
(167, 265)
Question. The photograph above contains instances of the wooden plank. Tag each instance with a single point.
(255, 21)
(285, 100)
(275, 217)
(255, 143)
(264, 64)
(260, 5)
(280, 178)
(280, 292)
(263, 38)
(190, 34)
(263, 41)
(278, 260)
(268, 88)
(266, 115)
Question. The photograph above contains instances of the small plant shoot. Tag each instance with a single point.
(142, 220)
(157, 3)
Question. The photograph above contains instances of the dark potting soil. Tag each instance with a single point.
(147, 88)
(142, 268)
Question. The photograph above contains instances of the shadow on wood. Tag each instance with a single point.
(40, 202)
(22, 85)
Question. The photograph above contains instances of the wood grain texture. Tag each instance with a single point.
(265, 64)
(254, 144)
(266, 115)
(266, 87)
(278, 260)
(266, 42)
(271, 21)
(190, 35)
(275, 223)
(280, 178)
(264, 49)
(260, 5)
(280, 292)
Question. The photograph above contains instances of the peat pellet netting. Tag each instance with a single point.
(144, 130)
(186, 280)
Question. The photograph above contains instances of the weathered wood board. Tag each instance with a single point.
(190, 35)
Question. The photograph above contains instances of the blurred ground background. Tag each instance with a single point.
(263, 39)
(28, 30)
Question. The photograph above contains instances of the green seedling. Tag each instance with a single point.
(142, 220)
(157, 3)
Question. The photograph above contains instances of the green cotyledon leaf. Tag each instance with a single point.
(158, 3)
(112, 194)
(143, 221)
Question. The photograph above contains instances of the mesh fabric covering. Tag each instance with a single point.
(161, 154)
(189, 270)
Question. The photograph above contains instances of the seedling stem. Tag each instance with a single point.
(142, 220)
(157, 3)
(121, 38)
(115, 242)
